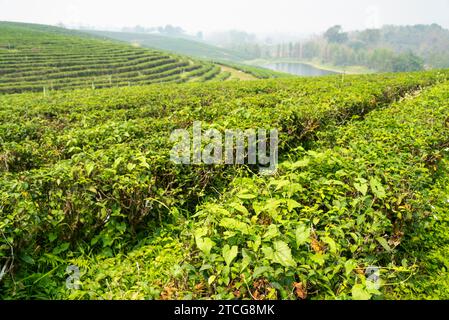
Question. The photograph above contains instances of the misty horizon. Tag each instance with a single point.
(261, 18)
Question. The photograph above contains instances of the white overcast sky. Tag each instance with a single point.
(300, 16)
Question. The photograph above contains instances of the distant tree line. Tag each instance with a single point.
(391, 48)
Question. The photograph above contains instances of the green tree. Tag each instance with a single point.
(407, 62)
(335, 34)
(370, 36)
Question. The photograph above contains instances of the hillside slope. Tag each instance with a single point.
(228, 59)
(175, 44)
(41, 58)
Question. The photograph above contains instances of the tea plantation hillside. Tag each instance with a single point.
(185, 46)
(87, 184)
(42, 58)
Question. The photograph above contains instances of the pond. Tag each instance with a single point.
(299, 69)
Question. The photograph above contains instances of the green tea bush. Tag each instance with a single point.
(86, 176)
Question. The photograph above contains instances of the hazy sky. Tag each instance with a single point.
(299, 16)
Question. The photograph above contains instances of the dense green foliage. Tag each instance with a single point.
(44, 58)
(332, 211)
(86, 179)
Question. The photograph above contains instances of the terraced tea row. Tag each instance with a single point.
(42, 58)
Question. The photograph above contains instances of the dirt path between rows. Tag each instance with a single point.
(237, 74)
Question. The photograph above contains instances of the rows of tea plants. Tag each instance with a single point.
(89, 170)
(350, 203)
(331, 213)
(427, 243)
(42, 58)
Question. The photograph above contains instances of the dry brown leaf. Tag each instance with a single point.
(360, 270)
(300, 290)
(168, 293)
(261, 287)
(317, 246)
(199, 286)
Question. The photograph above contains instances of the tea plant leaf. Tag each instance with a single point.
(377, 188)
(246, 195)
(331, 243)
(271, 233)
(229, 254)
(360, 293)
(205, 245)
(240, 208)
(282, 254)
(361, 186)
(292, 204)
(258, 271)
(233, 224)
(384, 243)
(350, 265)
(302, 235)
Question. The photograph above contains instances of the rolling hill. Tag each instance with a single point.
(41, 58)
(175, 44)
